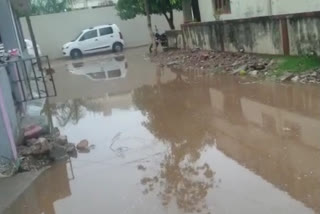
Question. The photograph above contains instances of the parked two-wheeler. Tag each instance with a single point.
(161, 39)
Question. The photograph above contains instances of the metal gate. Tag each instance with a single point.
(31, 81)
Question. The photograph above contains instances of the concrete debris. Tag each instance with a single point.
(30, 163)
(195, 50)
(241, 68)
(308, 77)
(62, 140)
(56, 132)
(71, 150)
(58, 152)
(8, 167)
(30, 142)
(173, 63)
(83, 145)
(210, 62)
(36, 153)
(286, 76)
(253, 73)
(295, 79)
(40, 147)
(204, 57)
(24, 150)
(259, 66)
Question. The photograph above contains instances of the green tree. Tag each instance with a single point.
(39, 7)
(129, 9)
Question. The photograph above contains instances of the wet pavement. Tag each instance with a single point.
(172, 142)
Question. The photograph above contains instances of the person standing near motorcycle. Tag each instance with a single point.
(159, 39)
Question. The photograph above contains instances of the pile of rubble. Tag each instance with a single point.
(231, 63)
(40, 151)
(202, 60)
(7, 167)
(312, 76)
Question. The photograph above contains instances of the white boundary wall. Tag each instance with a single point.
(53, 30)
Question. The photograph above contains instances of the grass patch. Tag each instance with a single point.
(295, 64)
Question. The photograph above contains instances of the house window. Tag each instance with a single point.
(222, 6)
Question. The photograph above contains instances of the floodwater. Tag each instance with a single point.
(167, 142)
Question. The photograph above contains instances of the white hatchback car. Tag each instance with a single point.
(93, 40)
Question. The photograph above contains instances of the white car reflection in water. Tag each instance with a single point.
(108, 67)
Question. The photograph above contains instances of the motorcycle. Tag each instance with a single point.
(161, 39)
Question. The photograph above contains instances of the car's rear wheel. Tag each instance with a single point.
(75, 54)
(117, 47)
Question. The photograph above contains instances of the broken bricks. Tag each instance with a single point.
(39, 152)
(230, 63)
(83, 145)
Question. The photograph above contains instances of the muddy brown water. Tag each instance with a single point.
(169, 142)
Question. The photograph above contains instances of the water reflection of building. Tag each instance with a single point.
(184, 112)
(270, 130)
(108, 102)
(71, 111)
(39, 198)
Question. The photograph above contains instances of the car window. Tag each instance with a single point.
(105, 31)
(76, 37)
(89, 35)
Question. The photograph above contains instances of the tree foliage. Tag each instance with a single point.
(129, 9)
(39, 7)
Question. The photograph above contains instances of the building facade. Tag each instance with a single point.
(212, 10)
(83, 4)
(10, 109)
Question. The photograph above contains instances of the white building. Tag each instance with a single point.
(238, 9)
(81, 4)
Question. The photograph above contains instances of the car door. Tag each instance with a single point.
(106, 38)
(89, 42)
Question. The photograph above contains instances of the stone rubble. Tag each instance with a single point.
(39, 152)
(295, 79)
(286, 76)
(62, 140)
(205, 61)
(83, 145)
(7, 167)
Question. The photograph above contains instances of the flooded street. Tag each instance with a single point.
(167, 142)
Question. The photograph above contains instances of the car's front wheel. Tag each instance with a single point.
(75, 53)
(117, 47)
